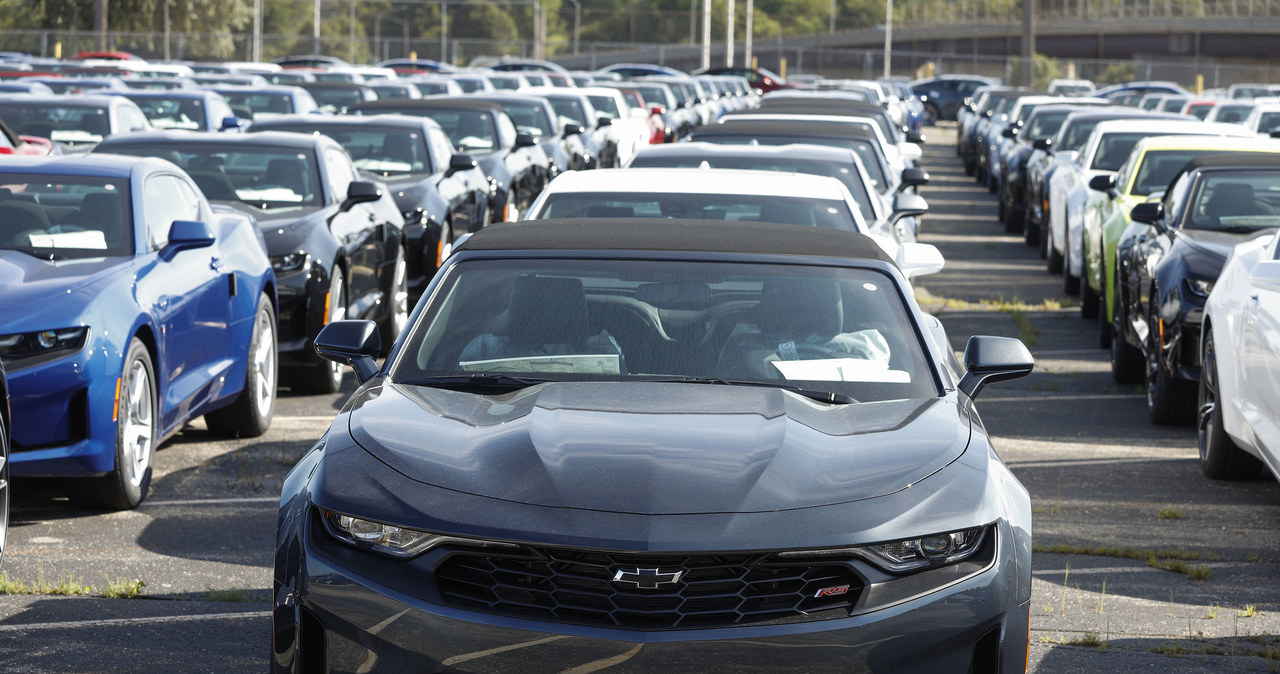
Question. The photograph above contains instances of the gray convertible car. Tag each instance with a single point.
(658, 446)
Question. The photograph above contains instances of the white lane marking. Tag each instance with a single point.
(605, 663)
(327, 419)
(109, 622)
(449, 662)
(1068, 463)
(211, 501)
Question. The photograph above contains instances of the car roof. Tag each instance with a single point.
(97, 164)
(1207, 142)
(786, 127)
(406, 121)
(695, 149)
(1235, 160)
(76, 101)
(698, 181)
(710, 236)
(300, 141)
(429, 103)
(1175, 125)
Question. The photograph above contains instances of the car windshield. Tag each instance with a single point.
(265, 178)
(569, 111)
(530, 118)
(468, 130)
(334, 99)
(1236, 201)
(173, 113)
(1114, 148)
(390, 152)
(55, 217)
(258, 106)
(826, 213)
(1268, 122)
(837, 329)
(847, 174)
(72, 126)
(1233, 114)
(1045, 124)
(1158, 168)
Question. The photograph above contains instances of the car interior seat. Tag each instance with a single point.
(792, 319)
(19, 219)
(1233, 199)
(289, 173)
(101, 211)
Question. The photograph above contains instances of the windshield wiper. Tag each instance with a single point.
(821, 396)
(1242, 229)
(479, 380)
(50, 257)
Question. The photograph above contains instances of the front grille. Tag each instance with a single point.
(712, 590)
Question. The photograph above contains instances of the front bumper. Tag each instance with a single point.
(64, 412)
(343, 622)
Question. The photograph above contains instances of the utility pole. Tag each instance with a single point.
(706, 34)
(746, 56)
(888, 35)
(257, 31)
(100, 23)
(577, 24)
(444, 32)
(728, 40)
(1028, 41)
(315, 27)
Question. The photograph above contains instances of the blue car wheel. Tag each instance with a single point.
(136, 417)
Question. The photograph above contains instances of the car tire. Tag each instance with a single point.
(322, 375)
(969, 168)
(137, 416)
(1126, 359)
(1001, 214)
(931, 114)
(1041, 235)
(250, 414)
(1170, 401)
(4, 487)
(1053, 257)
(1220, 457)
(398, 310)
(1088, 298)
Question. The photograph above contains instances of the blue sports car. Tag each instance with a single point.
(130, 307)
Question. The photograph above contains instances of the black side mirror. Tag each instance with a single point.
(1010, 131)
(572, 129)
(230, 123)
(992, 359)
(186, 235)
(1103, 183)
(913, 177)
(461, 162)
(602, 122)
(359, 192)
(1042, 144)
(525, 140)
(907, 205)
(1147, 212)
(915, 137)
(354, 343)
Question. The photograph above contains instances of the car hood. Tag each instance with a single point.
(657, 448)
(29, 281)
(1217, 243)
(285, 230)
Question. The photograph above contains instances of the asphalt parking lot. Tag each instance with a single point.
(1141, 563)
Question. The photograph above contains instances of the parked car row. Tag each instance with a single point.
(1165, 227)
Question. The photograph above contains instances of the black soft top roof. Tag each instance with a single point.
(713, 236)
(1233, 160)
(430, 103)
(784, 127)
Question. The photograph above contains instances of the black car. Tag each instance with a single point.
(971, 133)
(336, 242)
(441, 194)
(336, 97)
(1167, 262)
(679, 445)
(534, 115)
(1043, 122)
(5, 424)
(942, 96)
(513, 161)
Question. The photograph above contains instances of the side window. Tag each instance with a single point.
(340, 173)
(130, 120)
(506, 129)
(161, 208)
(441, 148)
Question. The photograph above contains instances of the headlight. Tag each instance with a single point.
(43, 342)
(395, 541)
(290, 262)
(414, 216)
(913, 554)
(1200, 287)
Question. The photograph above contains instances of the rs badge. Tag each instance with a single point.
(832, 591)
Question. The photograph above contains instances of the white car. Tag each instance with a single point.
(1106, 150)
(729, 194)
(1239, 420)
(1263, 119)
(899, 152)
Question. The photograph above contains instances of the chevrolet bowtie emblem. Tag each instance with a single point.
(647, 579)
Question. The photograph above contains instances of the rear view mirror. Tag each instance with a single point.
(1147, 212)
(1103, 183)
(913, 177)
(1266, 274)
(992, 359)
(186, 235)
(525, 140)
(572, 129)
(919, 259)
(354, 343)
(906, 205)
(461, 162)
(603, 122)
(1042, 144)
(359, 192)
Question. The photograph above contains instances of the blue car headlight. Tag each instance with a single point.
(392, 540)
(43, 342)
(912, 554)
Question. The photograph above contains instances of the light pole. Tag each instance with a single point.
(315, 27)
(888, 35)
(746, 38)
(577, 24)
(728, 38)
(706, 34)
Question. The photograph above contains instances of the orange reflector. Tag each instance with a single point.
(506, 213)
(115, 409)
(325, 320)
(1027, 665)
(1160, 323)
(439, 250)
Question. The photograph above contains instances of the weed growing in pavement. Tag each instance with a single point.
(1249, 611)
(1213, 612)
(1168, 560)
(1026, 331)
(1170, 514)
(1102, 599)
(122, 588)
(1045, 387)
(1088, 640)
(1251, 557)
(228, 595)
(1179, 566)
(1108, 388)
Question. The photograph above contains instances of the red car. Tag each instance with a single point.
(760, 78)
(12, 143)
